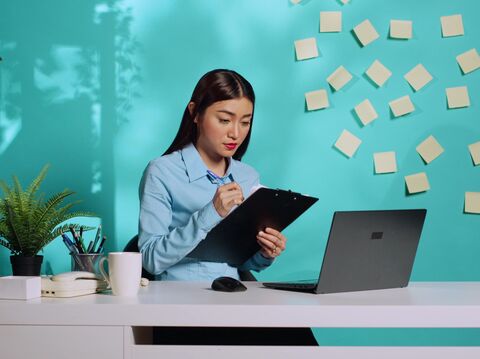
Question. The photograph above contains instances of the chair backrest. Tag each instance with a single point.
(132, 246)
(246, 275)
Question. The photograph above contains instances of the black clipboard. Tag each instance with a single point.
(233, 240)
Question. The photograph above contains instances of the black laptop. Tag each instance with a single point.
(366, 250)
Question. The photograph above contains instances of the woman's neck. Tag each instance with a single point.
(216, 164)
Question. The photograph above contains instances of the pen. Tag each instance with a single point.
(72, 231)
(75, 239)
(219, 180)
(81, 240)
(84, 250)
(68, 243)
(90, 246)
(97, 237)
(100, 247)
(73, 251)
(79, 262)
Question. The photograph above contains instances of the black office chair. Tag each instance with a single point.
(132, 246)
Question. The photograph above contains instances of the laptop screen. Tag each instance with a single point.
(370, 250)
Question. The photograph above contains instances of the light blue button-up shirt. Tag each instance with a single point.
(177, 212)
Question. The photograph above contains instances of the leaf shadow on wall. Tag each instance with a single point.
(66, 83)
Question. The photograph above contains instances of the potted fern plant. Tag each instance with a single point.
(28, 222)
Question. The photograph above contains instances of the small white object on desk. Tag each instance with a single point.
(71, 276)
(71, 284)
(19, 287)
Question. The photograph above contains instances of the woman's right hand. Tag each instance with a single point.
(226, 197)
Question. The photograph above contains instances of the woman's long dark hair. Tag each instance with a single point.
(214, 86)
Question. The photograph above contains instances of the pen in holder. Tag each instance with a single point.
(86, 262)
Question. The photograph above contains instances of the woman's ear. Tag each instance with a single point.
(191, 109)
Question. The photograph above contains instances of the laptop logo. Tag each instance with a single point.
(377, 235)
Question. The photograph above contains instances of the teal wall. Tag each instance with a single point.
(97, 89)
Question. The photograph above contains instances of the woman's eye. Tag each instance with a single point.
(245, 124)
(223, 120)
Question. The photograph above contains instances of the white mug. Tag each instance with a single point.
(125, 272)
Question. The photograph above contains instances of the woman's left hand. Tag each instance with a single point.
(273, 242)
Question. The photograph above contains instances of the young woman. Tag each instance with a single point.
(196, 183)
(199, 180)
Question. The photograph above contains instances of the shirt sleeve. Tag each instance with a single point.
(256, 263)
(162, 248)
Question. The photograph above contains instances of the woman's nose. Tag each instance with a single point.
(234, 131)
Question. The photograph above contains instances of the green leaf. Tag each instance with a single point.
(48, 211)
(14, 226)
(28, 222)
(58, 231)
(5, 189)
(35, 185)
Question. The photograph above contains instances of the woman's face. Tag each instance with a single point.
(223, 127)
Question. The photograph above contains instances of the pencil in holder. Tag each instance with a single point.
(86, 262)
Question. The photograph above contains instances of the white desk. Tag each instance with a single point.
(102, 324)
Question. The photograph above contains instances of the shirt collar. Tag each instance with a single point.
(195, 166)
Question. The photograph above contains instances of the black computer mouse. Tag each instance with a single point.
(228, 284)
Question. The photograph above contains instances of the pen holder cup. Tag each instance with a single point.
(87, 262)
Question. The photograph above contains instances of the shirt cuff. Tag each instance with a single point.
(261, 260)
(208, 217)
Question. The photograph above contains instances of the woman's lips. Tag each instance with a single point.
(230, 146)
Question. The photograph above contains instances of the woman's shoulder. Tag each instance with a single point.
(165, 163)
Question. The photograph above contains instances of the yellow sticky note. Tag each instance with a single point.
(417, 182)
(366, 112)
(400, 29)
(317, 100)
(429, 149)
(348, 143)
(469, 61)
(378, 73)
(401, 106)
(457, 97)
(385, 162)
(330, 21)
(472, 202)
(474, 149)
(418, 77)
(306, 48)
(365, 32)
(451, 25)
(339, 78)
